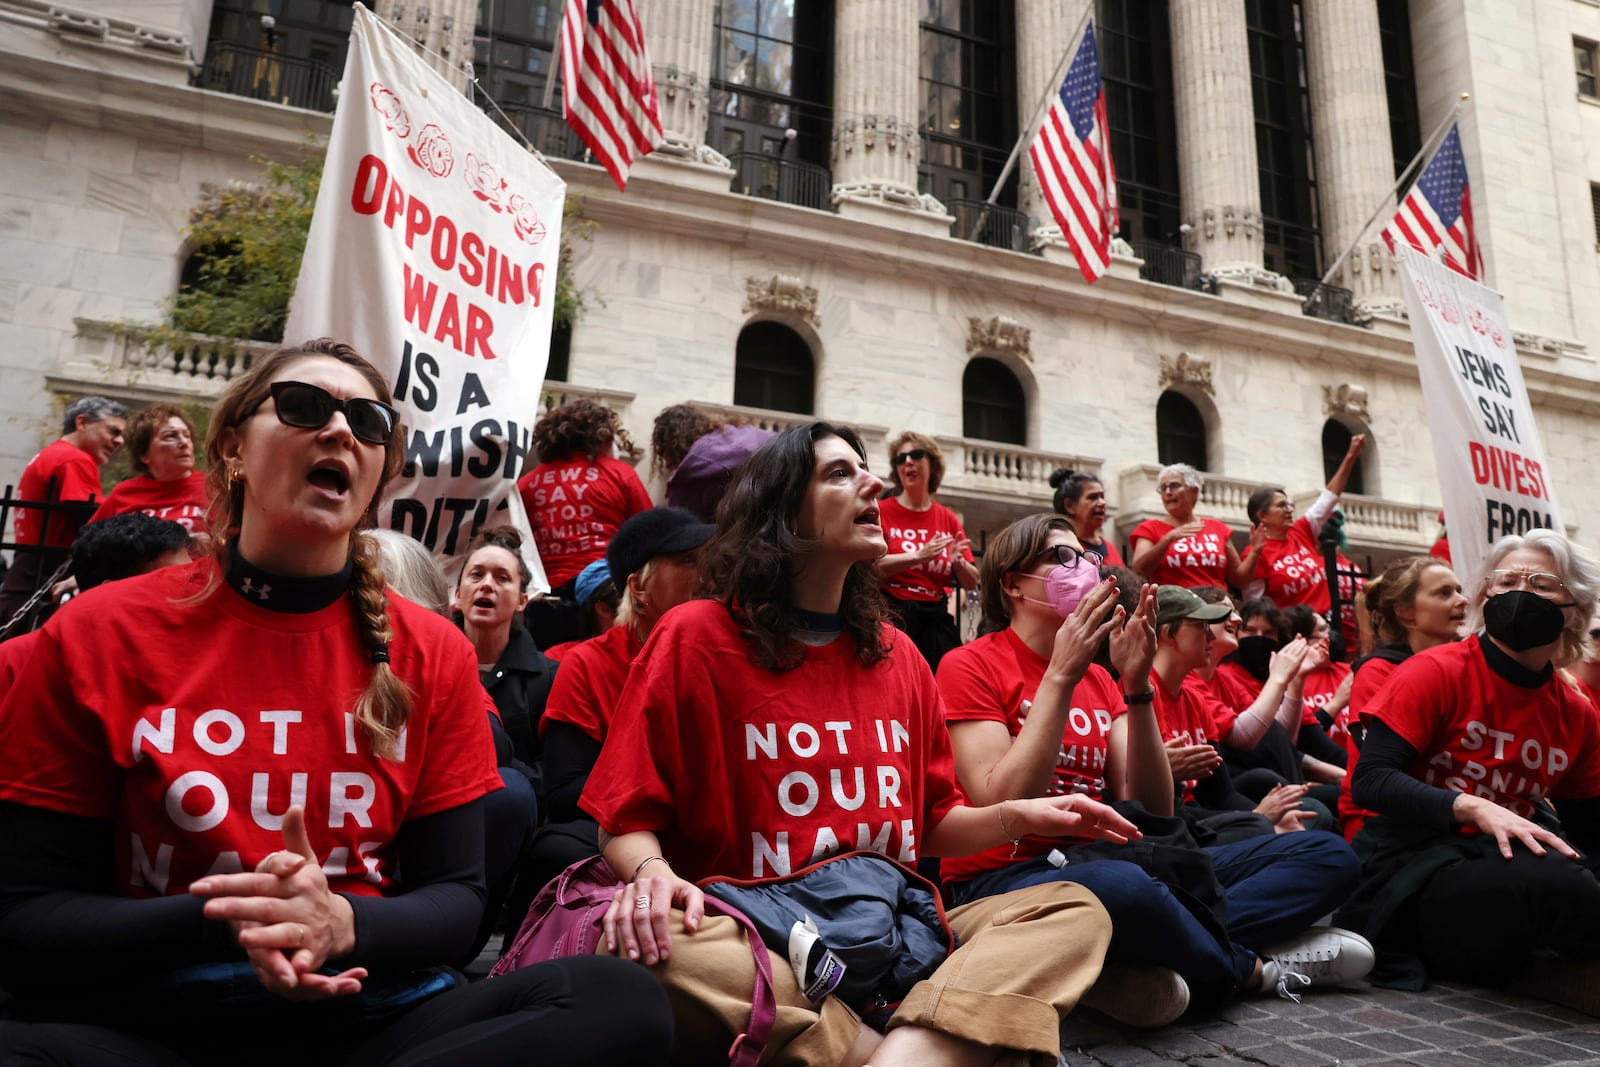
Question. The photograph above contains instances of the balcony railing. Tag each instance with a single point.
(787, 180)
(1169, 265)
(197, 365)
(1331, 302)
(989, 224)
(1372, 520)
(545, 128)
(1012, 472)
(262, 75)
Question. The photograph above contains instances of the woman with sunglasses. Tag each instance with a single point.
(1188, 551)
(783, 720)
(1469, 871)
(928, 550)
(215, 803)
(1081, 497)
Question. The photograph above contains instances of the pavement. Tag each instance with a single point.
(1443, 1026)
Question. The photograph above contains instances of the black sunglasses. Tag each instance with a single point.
(914, 454)
(1068, 556)
(309, 407)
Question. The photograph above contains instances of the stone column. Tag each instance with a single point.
(1355, 160)
(678, 34)
(876, 144)
(1217, 138)
(441, 28)
(1042, 29)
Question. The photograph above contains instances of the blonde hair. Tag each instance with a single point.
(1393, 589)
(384, 705)
(628, 608)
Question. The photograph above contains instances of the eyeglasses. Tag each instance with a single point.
(906, 457)
(1068, 556)
(309, 407)
(1172, 487)
(1546, 585)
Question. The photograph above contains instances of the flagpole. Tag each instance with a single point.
(1428, 148)
(555, 62)
(1050, 92)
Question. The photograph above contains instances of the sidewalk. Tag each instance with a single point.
(1445, 1026)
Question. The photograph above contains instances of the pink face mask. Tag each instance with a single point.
(1065, 587)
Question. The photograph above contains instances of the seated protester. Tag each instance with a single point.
(1466, 873)
(165, 484)
(1415, 604)
(1030, 715)
(1187, 551)
(489, 598)
(107, 551)
(726, 700)
(597, 599)
(652, 558)
(1292, 570)
(928, 550)
(212, 934)
(1081, 497)
(1327, 688)
(411, 570)
(1253, 739)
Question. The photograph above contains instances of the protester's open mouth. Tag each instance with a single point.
(868, 517)
(483, 602)
(331, 477)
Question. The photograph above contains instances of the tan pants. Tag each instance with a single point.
(1025, 959)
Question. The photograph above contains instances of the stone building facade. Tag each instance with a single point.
(839, 267)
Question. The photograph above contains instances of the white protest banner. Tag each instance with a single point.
(433, 251)
(1485, 444)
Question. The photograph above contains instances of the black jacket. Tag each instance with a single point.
(519, 685)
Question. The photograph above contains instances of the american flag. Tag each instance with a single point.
(1072, 160)
(610, 92)
(1435, 218)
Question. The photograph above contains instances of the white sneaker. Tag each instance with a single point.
(1323, 955)
(1138, 996)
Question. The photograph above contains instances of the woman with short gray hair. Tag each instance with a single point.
(1189, 551)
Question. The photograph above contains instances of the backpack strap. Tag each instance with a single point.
(748, 1047)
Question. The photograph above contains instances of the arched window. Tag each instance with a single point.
(993, 407)
(773, 368)
(1335, 443)
(1180, 431)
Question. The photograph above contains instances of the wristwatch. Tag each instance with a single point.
(1146, 697)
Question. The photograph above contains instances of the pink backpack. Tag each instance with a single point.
(565, 920)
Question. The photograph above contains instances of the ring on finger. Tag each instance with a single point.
(641, 902)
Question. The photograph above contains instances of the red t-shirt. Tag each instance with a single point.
(1477, 733)
(1441, 550)
(1369, 681)
(1583, 687)
(182, 500)
(991, 679)
(575, 506)
(1320, 687)
(1193, 716)
(77, 477)
(213, 717)
(748, 773)
(589, 683)
(1293, 569)
(908, 531)
(1237, 687)
(1189, 561)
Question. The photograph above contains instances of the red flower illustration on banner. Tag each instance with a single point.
(1449, 310)
(389, 106)
(432, 152)
(1425, 292)
(525, 220)
(485, 181)
(1477, 320)
(1496, 334)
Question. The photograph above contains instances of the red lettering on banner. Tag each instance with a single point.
(1507, 470)
(421, 297)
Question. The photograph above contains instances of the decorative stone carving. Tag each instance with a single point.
(999, 334)
(1345, 399)
(781, 293)
(1187, 369)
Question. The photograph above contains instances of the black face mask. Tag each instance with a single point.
(1521, 620)
(1255, 655)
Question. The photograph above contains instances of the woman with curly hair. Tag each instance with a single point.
(782, 720)
(165, 484)
(580, 492)
(928, 550)
(1081, 497)
(216, 773)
